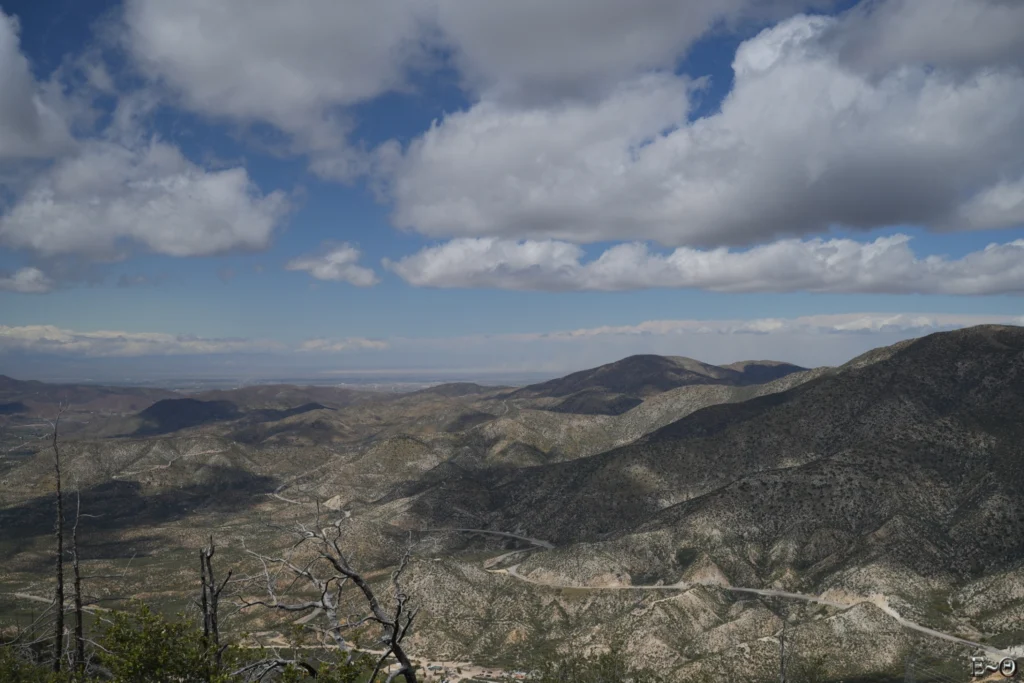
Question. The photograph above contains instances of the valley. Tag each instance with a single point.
(690, 514)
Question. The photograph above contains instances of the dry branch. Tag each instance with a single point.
(327, 571)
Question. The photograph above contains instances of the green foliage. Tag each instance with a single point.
(809, 669)
(142, 646)
(145, 647)
(607, 667)
(17, 669)
(325, 674)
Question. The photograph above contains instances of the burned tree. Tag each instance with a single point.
(58, 599)
(209, 602)
(317, 562)
(76, 569)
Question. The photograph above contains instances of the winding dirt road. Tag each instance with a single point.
(878, 600)
(534, 541)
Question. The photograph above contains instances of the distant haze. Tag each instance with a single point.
(509, 359)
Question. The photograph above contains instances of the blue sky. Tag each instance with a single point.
(256, 188)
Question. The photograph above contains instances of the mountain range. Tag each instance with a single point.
(682, 509)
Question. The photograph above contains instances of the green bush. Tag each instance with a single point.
(607, 667)
(145, 647)
(15, 668)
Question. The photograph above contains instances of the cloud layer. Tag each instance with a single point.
(51, 339)
(338, 263)
(804, 141)
(340, 345)
(807, 340)
(886, 265)
(578, 129)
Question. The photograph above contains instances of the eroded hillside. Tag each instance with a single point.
(879, 500)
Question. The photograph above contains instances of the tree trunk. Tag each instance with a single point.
(210, 603)
(58, 641)
(79, 626)
(782, 653)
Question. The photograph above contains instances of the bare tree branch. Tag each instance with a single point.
(327, 573)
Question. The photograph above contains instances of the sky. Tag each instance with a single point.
(260, 188)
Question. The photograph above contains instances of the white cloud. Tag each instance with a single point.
(266, 61)
(29, 128)
(341, 345)
(959, 34)
(52, 339)
(1002, 204)
(536, 50)
(807, 340)
(840, 323)
(804, 141)
(886, 265)
(107, 195)
(339, 262)
(27, 281)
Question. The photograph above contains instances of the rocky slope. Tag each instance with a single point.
(617, 387)
(885, 491)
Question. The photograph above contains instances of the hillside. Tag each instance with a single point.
(286, 396)
(617, 387)
(43, 399)
(943, 407)
(881, 497)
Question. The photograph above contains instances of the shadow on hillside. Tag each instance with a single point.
(118, 505)
(170, 415)
(13, 408)
(273, 414)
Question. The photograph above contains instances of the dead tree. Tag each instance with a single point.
(79, 626)
(58, 643)
(326, 569)
(210, 601)
(783, 660)
(783, 671)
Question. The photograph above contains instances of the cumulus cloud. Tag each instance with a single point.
(29, 128)
(52, 339)
(805, 141)
(339, 263)
(27, 281)
(536, 50)
(340, 345)
(885, 265)
(266, 61)
(263, 62)
(108, 196)
(957, 34)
